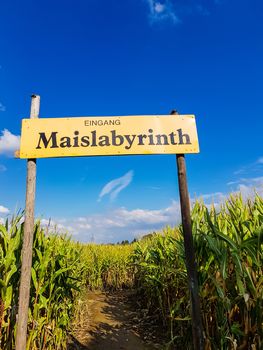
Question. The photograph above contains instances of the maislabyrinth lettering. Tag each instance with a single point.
(95, 139)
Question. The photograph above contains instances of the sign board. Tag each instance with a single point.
(93, 136)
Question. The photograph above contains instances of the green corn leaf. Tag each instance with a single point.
(227, 239)
(60, 272)
(34, 278)
(10, 274)
(8, 297)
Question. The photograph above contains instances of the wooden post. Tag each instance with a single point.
(24, 291)
(197, 329)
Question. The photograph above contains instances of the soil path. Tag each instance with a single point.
(110, 324)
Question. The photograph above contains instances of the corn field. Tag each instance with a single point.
(55, 270)
(107, 266)
(228, 245)
(229, 256)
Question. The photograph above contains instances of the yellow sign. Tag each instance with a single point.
(93, 136)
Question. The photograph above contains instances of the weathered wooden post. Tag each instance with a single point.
(197, 329)
(24, 291)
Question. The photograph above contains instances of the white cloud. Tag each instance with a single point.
(2, 221)
(2, 107)
(114, 187)
(161, 11)
(2, 168)
(260, 160)
(136, 217)
(3, 210)
(9, 143)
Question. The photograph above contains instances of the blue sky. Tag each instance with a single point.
(127, 58)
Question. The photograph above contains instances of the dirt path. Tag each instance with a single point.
(110, 323)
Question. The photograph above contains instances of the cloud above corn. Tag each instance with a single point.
(117, 224)
(121, 223)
